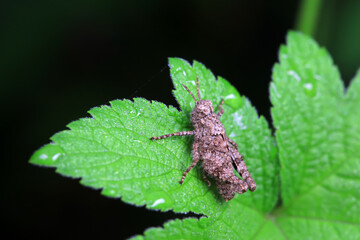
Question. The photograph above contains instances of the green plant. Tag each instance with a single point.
(317, 142)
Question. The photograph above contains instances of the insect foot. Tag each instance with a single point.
(218, 153)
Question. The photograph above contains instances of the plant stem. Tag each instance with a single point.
(307, 16)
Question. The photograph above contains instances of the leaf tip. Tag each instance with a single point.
(174, 61)
(48, 155)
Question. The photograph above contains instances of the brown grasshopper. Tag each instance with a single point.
(219, 154)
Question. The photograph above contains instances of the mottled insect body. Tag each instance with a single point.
(218, 153)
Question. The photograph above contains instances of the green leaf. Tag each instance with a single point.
(112, 151)
(317, 132)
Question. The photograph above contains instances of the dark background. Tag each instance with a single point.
(58, 59)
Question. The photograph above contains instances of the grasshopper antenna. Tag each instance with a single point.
(190, 93)
(197, 87)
